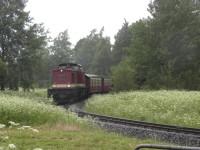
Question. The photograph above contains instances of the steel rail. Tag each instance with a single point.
(166, 147)
(127, 122)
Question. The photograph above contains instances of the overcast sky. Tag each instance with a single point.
(81, 16)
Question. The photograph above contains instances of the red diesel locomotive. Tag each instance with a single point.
(70, 83)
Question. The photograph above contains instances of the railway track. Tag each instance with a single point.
(168, 128)
(169, 133)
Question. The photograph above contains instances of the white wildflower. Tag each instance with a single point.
(12, 146)
(26, 127)
(37, 149)
(21, 128)
(12, 123)
(35, 130)
(2, 126)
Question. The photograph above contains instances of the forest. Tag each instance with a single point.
(161, 51)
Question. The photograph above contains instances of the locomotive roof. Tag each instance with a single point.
(69, 65)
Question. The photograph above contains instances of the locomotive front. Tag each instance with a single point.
(68, 83)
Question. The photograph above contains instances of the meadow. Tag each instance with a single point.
(167, 107)
(29, 111)
(29, 121)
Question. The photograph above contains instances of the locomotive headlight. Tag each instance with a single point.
(68, 85)
(61, 70)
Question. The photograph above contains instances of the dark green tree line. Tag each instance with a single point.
(61, 51)
(94, 53)
(164, 49)
(21, 42)
(158, 52)
(122, 42)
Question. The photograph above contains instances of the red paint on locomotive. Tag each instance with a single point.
(70, 81)
(68, 76)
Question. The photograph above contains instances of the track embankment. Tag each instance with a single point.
(172, 134)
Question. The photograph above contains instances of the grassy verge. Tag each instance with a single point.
(29, 111)
(39, 95)
(168, 107)
(48, 127)
(62, 137)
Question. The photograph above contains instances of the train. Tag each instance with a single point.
(70, 83)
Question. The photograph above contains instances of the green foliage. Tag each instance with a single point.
(166, 107)
(54, 126)
(125, 82)
(61, 50)
(3, 72)
(94, 53)
(2, 68)
(63, 136)
(13, 19)
(31, 58)
(163, 53)
(21, 44)
(122, 41)
(159, 52)
(26, 111)
(102, 58)
(176, 32)
(42, 73)
(38, 95)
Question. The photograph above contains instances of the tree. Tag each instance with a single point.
(176, 26)
(122, 41)
(60, 51)
(131, 72)
(85, 50)
(21, 41)
(164, 48)
(94, 53)
(101, 62)
(3, 71)
(13, 20)
(123, 76)
(31, 56)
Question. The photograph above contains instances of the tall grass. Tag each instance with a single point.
(39, 95)
(56, 128)
(168, 107)
(28, 110)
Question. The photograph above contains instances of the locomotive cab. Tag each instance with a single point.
(68, 76)
(68, 83)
